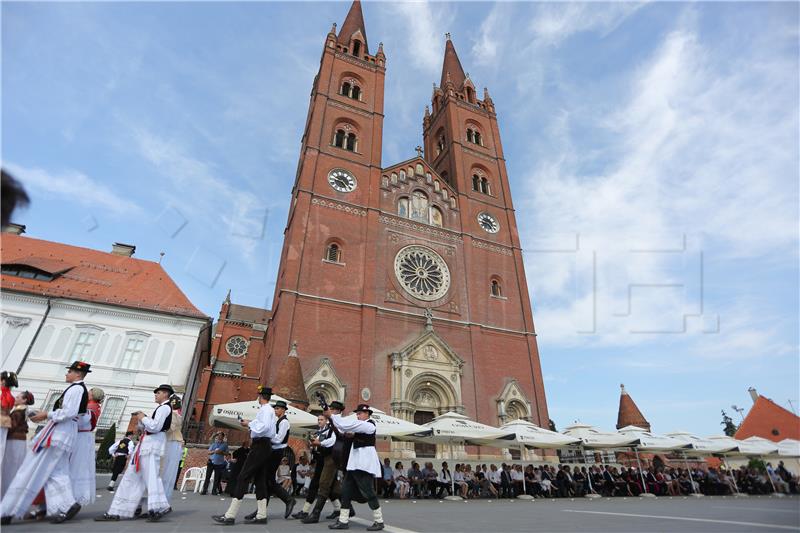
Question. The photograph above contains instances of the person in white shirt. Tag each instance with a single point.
(262, 429)
(401, 480)
(302, 473)
(47, 464)
(144, 472)
(445, 481)
(363, 465)
(119, 451)
(279, 444)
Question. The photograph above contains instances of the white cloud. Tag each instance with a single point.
(558, 21)
(424, 27)
(493, 35)
(74, 186)
(703, 145)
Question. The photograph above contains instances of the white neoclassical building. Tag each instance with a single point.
(125, 316)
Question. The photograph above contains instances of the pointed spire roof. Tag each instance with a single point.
(353, 23)
(289, 381)
(629, 414)
(451, 67)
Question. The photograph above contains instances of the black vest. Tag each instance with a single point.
(341, 449)
(84, 398)
(363, 440)
(326, 434)
(278, 427)
(124, 446)
(167, 421)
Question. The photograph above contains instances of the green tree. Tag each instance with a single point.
(727, 424)
(102, 459)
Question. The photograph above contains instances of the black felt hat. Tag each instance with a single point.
(80, 366)
(363, 407)
(336, 404)
(281, 403)
(165, 387)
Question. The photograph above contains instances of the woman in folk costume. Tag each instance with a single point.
(47, 464)
(17, 440)
(144, 472)
(7, 381)
(82, 458)
(174, 450)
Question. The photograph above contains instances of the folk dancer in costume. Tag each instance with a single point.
(328, 483)
(82, 459)
(120, 451)
(280, 443)
(174, 451)
(262, 429)
(47, 464)
(8, 380)
(363, 465)
(143, 474)
(17, 440)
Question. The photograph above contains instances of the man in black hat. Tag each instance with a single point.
(144, 472)
(363, 465)
(47, 464)
(280, 442)
(262, 429)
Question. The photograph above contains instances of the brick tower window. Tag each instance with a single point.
(485, 186)
(345, 140)
(351, 90)
(497, 289)
(333, 253)
(339, 138)
(474, 136)
(356, 48)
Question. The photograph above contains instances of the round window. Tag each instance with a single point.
(422, 272)
(236, 346)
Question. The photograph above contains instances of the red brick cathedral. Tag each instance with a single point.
(403, 286)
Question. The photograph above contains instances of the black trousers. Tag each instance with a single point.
(118, 466)
(359, 482)
(255, 467)
(273, 487)
(219, 471)
(314, 486)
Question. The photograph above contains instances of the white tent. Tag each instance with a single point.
(227, 415)
(789, 448)
(750, 447)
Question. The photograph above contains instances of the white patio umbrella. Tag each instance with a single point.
(703, 446)
(530, 435)
(789, 448)
(393, 428)
(595, 439)
(652, 443)
(453, 428)
(227, 415)
(751, 447)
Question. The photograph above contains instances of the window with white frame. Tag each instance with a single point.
(111, 412)
(133, 352)
(52, 396)
(83, 345)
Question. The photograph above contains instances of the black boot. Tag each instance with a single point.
(334, 514)
(338, 525)
(313, 516)
(72, 511)
(251, 516)
(299, 515)
(376, 526)
(221, 519)
(289, 507)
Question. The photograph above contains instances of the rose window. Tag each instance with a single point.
(422, 272)
(236, 346)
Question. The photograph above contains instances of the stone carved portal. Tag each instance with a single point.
(426, 378)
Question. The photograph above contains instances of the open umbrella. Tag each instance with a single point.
(703, 446)
(594, 439)
(392, 428)
(789, 448)
(227, 415)
(453, 428)
(652, 443)
(530, 435)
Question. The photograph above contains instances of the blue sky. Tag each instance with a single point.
(652, 150)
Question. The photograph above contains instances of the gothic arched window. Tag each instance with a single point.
(436, 217)
(356, 48)
(478, 139)
(355, 94)
(470, 135)
(485, 186)
(419, 206)
(402, 207)
(497, 289)
(346, 88)
(476, 183)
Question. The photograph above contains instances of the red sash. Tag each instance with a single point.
(44, 438)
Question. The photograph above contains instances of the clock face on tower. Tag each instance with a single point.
(488, 223)
(341, 180)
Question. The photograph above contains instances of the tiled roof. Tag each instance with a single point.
(766, 418)
(289, 381)
(629, 414)
(252, 315)
(92, 276)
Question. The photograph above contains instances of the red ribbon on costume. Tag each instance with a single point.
(44, 438)
(6, 398)
(136, 461)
